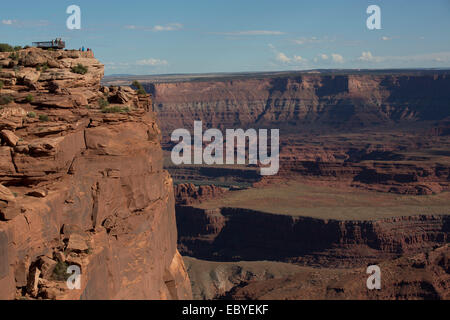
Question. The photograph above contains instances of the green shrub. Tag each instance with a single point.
(80, 69)
(31, 114)
(116, 109)
(139, 88)
(17, 48)
(42, 67)
(4, 47)
(60, 272)
(103, 103)
(14, 56)
(43, 117)
(4, 100)
(141, 92)
(29, 98)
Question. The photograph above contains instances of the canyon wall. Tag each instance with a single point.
(233, 234)
(82, 184)
(304, 101)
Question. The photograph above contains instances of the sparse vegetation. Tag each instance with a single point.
(29, 98)
(139, 88)
(116, 109)
(43, 117)
(17, 48)
(79, 69)
(60, 272)
(4, 100)
(31, 114)
(4, 47)
(103, 103)
(42, 67)
(14, 56)
(1, 84)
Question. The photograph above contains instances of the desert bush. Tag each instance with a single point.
(42, 67)
(4, 47)
(43, 117)
(17, 48)
(4, 100)
(80, 69)
(116, 109)
(29, 98)
(31, 114)
(139, 88)
(103, 103)
(60, 272)
(14, 56)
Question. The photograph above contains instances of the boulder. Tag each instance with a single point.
(47, 266)
(6, 195)
(21, 273)
(38, 193)
(9, 138)
(33, 282)
(77, 243)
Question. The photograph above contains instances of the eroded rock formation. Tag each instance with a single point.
(82, 184)
(233, 234)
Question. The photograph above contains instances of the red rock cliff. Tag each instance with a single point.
(303, 101)
(82, 184)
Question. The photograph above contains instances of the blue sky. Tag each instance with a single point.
(193, 36)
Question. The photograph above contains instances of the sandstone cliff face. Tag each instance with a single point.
(307, 100)
(232, 234)
(82, 184)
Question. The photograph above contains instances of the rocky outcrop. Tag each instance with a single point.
(425, 276)
(232, 234)
(213, 280)
(188, 193)
(82, 184)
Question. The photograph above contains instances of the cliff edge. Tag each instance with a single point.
(82, 184)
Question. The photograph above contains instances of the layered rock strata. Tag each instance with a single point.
(82, 185)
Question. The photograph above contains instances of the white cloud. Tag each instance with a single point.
(9, 22)
(252, 33)
(157, 28)
(283, 58)
(323, 56)
(303, 40)
(299, 59)
(427, 58)
(337, 58)
(168, 27)
(367, 56)
(384, 38)
(152, 62)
